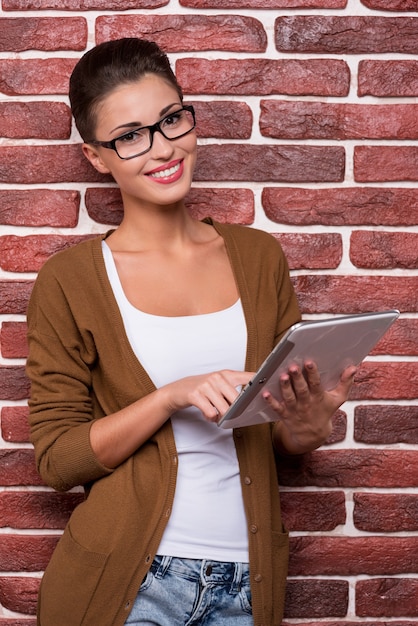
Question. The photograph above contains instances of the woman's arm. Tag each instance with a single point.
(116, 437)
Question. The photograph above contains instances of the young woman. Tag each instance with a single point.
(139, 340)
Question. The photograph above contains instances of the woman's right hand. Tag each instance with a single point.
(116, 437)
(211, 393)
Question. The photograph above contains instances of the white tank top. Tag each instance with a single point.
(208, 518)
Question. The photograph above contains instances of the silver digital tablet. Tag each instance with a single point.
(333, 344)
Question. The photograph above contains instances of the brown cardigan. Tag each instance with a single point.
(82, 367)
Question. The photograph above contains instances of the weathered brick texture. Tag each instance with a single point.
(14, 424)
(264, 4)
(375, 512)
(387, 597)
(13, 341)
(317, 120)
(341, 206)
(39, 207)
(346, 35)
(351, 468)
(316, 598)
(269, 163)
(198, 32)
(385, 163)
(264, 76)
(391, 5)
(378, 250)
(35, 76)
(38, 120)
(313, 511)
(44, 33)
(307, 127)
(388, 424)
(388, 78)
(82, 5)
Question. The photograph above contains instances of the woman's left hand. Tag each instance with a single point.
(305, 412)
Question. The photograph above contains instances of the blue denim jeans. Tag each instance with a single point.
(189, 592)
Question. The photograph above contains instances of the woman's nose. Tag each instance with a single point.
(160, 145)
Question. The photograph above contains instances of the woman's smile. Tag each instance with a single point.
(168, 173)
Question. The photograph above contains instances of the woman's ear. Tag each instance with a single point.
(91, 153)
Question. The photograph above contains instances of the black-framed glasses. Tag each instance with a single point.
(139, 140)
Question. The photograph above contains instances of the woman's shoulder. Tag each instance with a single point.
(71, 269)
(73, 259)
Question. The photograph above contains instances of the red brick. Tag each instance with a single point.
(19, 594)
(264, 4)
(391, 5)
(235, 33)
(14, 296)
(17, 468)
(313, 511)
(346, 35)
(14, 424)
(38, 120)
(270, 163)
(351, 468)
(378, 250)
(400, 339)
(28, 254)
(224, 119)
(37, 509)
(44, 164)
(388, 78)
(328, 294)
(14, 384)
(386, 424)
(341, 206)
(385, 163)
(385, 513)
(44, 33)
(312, 251)
(321, 77)
(387, 597)
(385, 381)
(316, 598)
(104, 205)
(339, 428)
(39, 207)
(81, 5)
(13, 342)
(352, 556)
(25, 553)
(319, 120)
(35, 76)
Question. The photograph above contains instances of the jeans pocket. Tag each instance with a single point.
(245, 598)
(146, 583)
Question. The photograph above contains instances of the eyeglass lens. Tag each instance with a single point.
(139, 141)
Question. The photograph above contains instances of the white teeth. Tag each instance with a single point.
(166, 173)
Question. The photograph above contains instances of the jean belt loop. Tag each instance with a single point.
(163, 567)
(236, 583)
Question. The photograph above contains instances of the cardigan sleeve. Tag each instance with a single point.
(61, 357)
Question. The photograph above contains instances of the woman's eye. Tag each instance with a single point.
(133, 137)
(172, 119)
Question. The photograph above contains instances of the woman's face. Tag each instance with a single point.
(163, 175)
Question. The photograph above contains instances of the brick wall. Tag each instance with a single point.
(308, 123)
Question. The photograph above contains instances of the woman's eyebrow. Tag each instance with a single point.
(139, 125)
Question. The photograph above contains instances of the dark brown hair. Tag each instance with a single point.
(108, 66)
